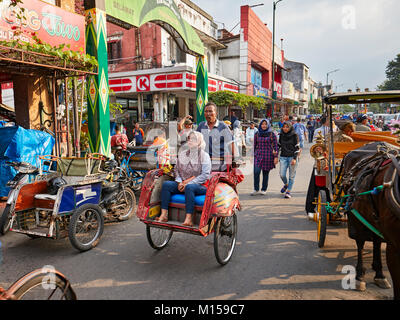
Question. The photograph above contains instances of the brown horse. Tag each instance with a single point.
(375, 166)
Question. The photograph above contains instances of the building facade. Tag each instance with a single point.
(247, 59)
(152, 78)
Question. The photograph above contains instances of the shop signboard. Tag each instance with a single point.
(49, 23)
(288, 90)
(260, 92)
(278, 89)
(167, 81)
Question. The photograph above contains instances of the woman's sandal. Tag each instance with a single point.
(187, 224)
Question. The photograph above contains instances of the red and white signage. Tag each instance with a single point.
(278, 89)
(166, 81)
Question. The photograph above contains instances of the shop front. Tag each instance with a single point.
(34, 77)
(164, 94)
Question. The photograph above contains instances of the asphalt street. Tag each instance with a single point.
(276, 256)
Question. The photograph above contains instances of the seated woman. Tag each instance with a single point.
(193, 169)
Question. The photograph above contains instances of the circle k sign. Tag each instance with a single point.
(143, 83)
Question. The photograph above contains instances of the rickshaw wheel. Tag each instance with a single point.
(158, 238)
(86, 227)
(322, 218)
(225, 238)
(5, 220)
(130, 208)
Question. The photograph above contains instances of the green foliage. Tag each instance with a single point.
(393, 75)
(346, 108)
(315, 107)
(229, 99)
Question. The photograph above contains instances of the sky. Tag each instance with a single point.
(358, 37)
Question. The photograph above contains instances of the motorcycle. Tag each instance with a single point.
(24, 172)
(118, 201)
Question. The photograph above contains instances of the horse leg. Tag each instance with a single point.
(393, 263)
(360, 270)
(380, 279)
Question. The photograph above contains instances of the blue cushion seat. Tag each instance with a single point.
(180, 198)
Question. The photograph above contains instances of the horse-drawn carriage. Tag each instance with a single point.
(356, 182)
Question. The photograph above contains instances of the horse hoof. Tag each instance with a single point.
(361, 285)
(383, 283)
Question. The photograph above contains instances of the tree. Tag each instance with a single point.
(393, 75)
(315, 107)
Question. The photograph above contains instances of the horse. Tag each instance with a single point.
(372, 180)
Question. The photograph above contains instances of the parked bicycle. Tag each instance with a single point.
(40, 284)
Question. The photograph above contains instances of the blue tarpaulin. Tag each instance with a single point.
(21, 145)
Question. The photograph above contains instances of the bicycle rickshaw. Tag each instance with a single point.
(327, 180)
(72, 201)
(215, 212)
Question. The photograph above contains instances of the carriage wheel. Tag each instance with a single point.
(86, 227)
(322, 218)
(5, 220)
(158, 238)
(225, 238)
(127, 197)
(43, 285)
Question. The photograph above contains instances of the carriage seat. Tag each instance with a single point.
(179, 198)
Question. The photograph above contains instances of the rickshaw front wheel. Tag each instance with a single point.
(322, 218)
(86, 227)
(225, 238)
(158, 238)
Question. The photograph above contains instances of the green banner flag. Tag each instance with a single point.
(97, 85)
(163, 12)
(201, 87)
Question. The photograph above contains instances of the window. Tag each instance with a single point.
(174, 53)
(114, 51)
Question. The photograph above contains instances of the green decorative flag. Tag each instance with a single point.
(97, 85)
(201, 87)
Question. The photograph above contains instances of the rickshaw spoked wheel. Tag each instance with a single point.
(158, 238)
(225, 238)
(5, 220)
(322, 218)
(86, 227)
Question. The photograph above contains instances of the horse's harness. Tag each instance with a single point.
(368, 168)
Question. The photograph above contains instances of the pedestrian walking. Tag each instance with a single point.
(301, 132)
(265, 155)
(311, 126)
(238, 137)
(289, 149)
(250, 133)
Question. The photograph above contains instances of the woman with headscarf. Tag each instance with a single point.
(192, 170)
(265, 155)
(289, 146)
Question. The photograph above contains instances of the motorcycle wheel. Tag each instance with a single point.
(130, 208)
(5, 220)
